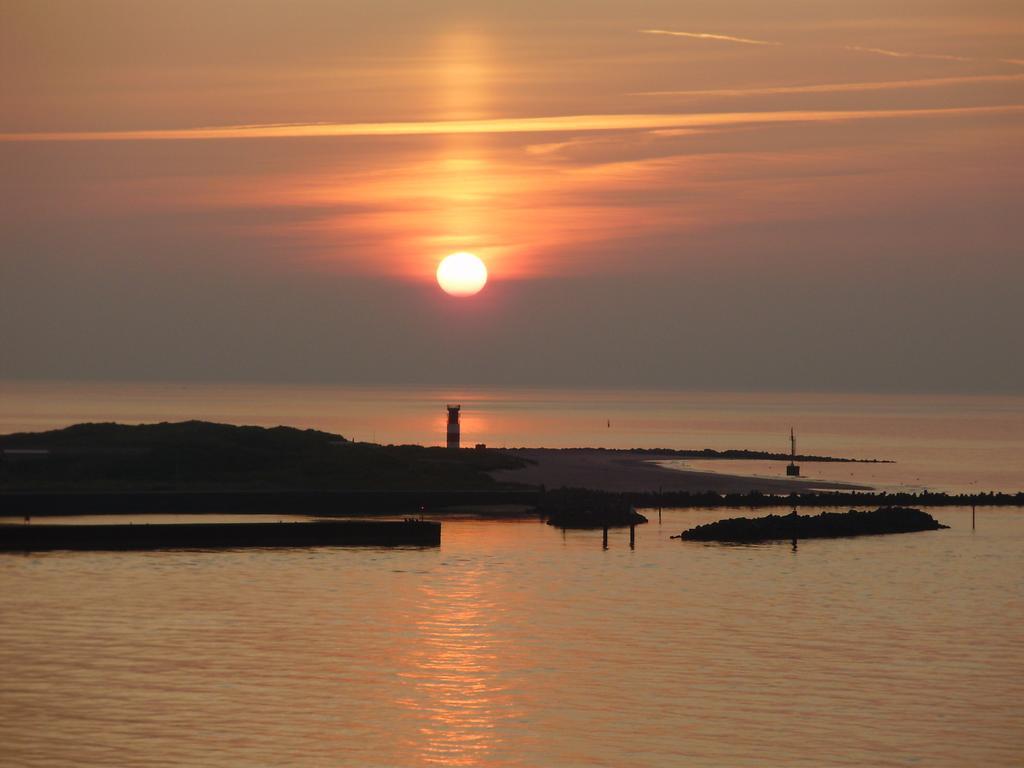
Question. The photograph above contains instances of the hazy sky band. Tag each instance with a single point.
(558, 124)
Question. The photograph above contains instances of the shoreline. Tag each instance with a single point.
(637, 471)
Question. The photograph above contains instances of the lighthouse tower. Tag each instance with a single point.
(453, 426)
(793, 470)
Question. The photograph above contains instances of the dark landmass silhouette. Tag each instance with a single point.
(200, 456)
(196, 455)
(199, 467)
(827, 525)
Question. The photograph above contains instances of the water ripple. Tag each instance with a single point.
(514, 645)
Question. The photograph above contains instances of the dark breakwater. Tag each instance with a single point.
(32, 538)
(580, 508)
(592, 519)
(756, 499)
(827, 525)
(361, 503)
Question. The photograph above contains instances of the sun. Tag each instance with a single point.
(461, 274)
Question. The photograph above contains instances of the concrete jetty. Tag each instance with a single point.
(32, 537)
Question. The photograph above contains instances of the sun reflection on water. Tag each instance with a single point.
(451, 673)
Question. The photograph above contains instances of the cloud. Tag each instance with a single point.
(933, 56)
(856, 48)
(554, 124)
(708, 36)
(907, 54)
(884, 85)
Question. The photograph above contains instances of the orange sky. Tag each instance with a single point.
(207, 154)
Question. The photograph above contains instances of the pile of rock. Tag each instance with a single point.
(579, 508)
(827, 525)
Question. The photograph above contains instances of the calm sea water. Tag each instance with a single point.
(515, 645)
(953, 443)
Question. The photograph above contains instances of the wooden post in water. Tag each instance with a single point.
(632, 537)
(604, 543)
(972, 516)
(660, 502)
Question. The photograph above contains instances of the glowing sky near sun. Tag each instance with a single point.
(197, 191)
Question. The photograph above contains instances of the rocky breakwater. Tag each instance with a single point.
(579, 508)
(827, 525)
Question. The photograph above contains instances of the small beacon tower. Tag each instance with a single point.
(793, 470)
(453, 426)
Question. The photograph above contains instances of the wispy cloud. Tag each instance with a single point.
(856, 48)
(882, 85)
(932, 56)
(708, 36)
(906, 54)
(555, 124)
